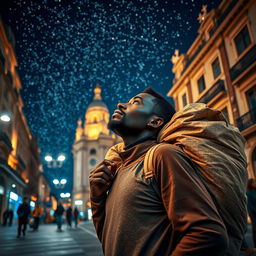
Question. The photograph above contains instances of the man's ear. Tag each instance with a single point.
(155, 122)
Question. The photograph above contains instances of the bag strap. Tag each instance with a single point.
(148, 162)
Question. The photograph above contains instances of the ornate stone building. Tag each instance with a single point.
(219, 68)
(20, 166)
(92, 141)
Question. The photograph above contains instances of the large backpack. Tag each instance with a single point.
(217, 151)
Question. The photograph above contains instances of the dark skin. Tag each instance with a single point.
(132, 121)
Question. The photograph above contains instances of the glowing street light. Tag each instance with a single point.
(55, 181)
(48, 158)
(64, 195)
(61, 158)
(59, 183)
(5, 118)
(63, 181)
(54, 163)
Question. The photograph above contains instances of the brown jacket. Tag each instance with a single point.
(169, 214)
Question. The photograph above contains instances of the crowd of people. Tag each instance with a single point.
(32, 217)
(70, 214)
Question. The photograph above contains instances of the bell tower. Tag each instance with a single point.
(92, 140)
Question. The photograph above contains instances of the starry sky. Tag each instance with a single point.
(64, 47)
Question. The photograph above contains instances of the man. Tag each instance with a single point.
(69, 216)
(37, 212)
(58, 215)
(10, 217)
(5, 217)
(171, 214)
(23, 214)
(76, 215)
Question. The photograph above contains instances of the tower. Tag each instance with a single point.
(91, 144)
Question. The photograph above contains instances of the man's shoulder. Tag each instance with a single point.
(169, 152)
(168, 149)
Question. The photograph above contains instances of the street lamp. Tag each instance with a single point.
(59, 183)
(5, 117)
(54, 163)
(64, 195)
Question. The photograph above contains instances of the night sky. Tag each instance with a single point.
(64, 47)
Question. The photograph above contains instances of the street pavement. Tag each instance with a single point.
(81, 241)
(48, 242)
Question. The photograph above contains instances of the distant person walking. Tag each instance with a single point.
(23, 213)
(251, 204)
(76, 214)
(69, 216)
(58, 215)
(5, 217)
(37, 212)
(10, 216)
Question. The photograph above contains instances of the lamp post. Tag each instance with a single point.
(59, 183)
(65, 195)
(55, 163)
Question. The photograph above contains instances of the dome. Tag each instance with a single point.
(97, 103)
(96, 117)
(97, 100)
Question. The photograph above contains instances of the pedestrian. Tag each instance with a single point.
(5, 217)
(251, 205)
(37, 213)
(10, 213)
(23, 214)
(69, 216)
(76, 215)
(171, 213)
(58, 215)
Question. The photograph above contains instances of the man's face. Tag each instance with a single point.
(132, 117)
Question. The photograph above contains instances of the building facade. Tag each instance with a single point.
(219, 69)
(20, 165)
(92, 141)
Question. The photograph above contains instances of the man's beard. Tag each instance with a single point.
(116, 126)
(119, 127)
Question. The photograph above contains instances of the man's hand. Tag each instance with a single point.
(101, 178)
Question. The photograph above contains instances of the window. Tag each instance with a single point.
(93, 151)
(251, 97)
(184, 99)
(201, 84)
(242, 40)
(216, 68)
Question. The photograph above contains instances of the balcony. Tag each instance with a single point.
(247, 120)
(243, 64)
(212, 92)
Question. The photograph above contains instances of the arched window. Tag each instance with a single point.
(93, 151)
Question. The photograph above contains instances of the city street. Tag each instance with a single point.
(47, 241)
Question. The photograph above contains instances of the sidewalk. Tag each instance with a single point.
(48, 242)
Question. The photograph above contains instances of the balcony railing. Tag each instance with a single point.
(243, 64)
(212, 92)
(246, 120)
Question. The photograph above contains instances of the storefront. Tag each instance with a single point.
(11, 190)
